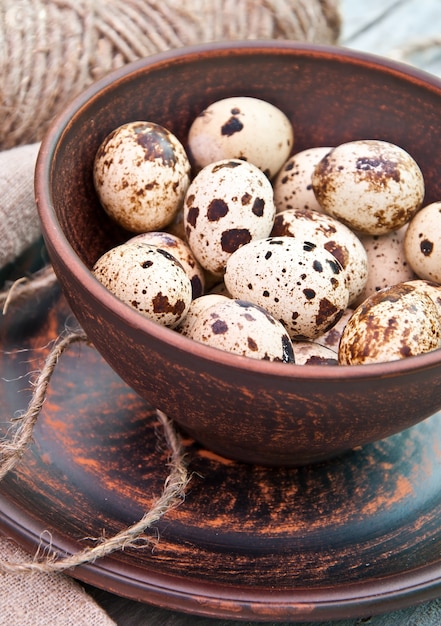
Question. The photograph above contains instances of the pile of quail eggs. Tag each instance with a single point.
(324, 256)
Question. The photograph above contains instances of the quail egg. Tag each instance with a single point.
(422, 242)
(141, 173)
(243, 328)
(372, 186)
(227, 205)
(241, 128)
(387, 263)
(181, 251)
(293, 184)
(298, 282)
(341, 241)
(148, 279)
(392, 324)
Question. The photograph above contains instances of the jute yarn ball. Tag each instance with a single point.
(50, 50)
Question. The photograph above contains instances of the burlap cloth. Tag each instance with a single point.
(38, 599)
(50, 50)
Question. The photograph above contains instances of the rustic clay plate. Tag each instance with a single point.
(350, 537)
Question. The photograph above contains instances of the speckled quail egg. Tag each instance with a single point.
(198, 306)
(431, 289)
(241, 128)
(177, 227)
(297, 282)
(220, 288)
(372, 186)
(422, 242)
(141, 173)
(337, 238)
(243, 328)
(181, 251)
(293, 184)
(387, 263)
(227, 205)
(331, 338)
(148, 279)
(313, 353)
(392, 324)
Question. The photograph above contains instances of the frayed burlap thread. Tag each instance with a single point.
(15, 445)
(50, 50)
(26, 287)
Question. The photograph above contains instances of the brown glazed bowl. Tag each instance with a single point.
(254, 411)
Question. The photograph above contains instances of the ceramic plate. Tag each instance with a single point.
(353, 536)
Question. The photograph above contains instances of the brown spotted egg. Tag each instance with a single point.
(387, 263)
(293, 184)
(148, 279)
(141, 173)
(392, 324)
(181, 251)
(241, 128)
(243, 328)
(431, 289)
(372, 186)
(298, 282)
(331, 338)
(422, 242)
(341, 241)
(196, 308)
(227, 205)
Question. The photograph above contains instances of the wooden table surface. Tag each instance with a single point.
(403, 29)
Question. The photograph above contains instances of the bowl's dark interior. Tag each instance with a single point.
(331, 96)
(329, 100)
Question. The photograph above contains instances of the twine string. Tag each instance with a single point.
(27, 287)
(13, 448)
(404, 53)
(50, 50)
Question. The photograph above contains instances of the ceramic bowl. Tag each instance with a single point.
(253, 411)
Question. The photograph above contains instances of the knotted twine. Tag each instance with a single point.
(13, 448)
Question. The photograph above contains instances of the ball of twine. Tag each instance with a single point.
(52, 49)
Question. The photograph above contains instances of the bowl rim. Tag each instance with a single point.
(58, 241)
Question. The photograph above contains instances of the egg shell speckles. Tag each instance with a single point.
(293, 184)
(141, 173)
(196, 308)
(148, 279)
(227, 205)
(241, 128)
(422, 242)
(392, 324)
(297, 282)
(181, 251)
(307, 225)
(387, 263)
(428, 287)
(372, 186)
(331, 338)
(245, 329)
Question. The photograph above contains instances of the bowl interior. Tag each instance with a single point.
(330, 96)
